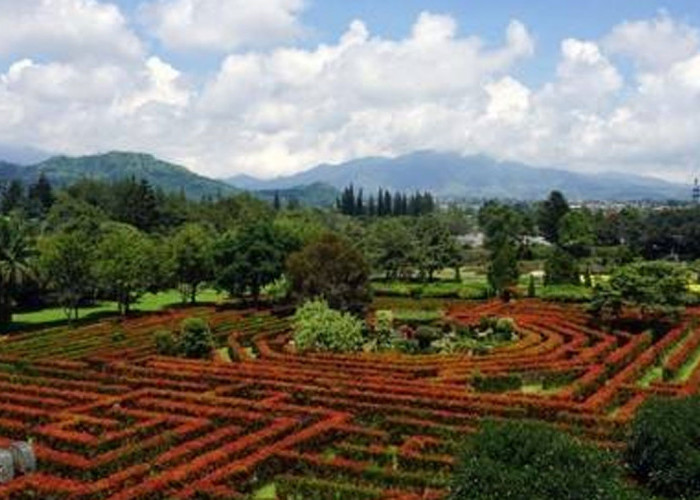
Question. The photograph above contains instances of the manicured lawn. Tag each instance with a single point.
(149, 302)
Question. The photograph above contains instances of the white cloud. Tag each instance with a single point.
(654, 44)
(65, 29)
(223, 25)
(280, 110)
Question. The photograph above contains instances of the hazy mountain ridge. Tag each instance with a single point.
(65, 170)
(450, 175)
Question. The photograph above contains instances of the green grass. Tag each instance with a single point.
(651, 375)
(267, 492)
(688, 368)
(149, 302)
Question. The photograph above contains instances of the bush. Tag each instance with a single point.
(498, 383)
(425, 336)
(664, 446)
(383, 327)
(118, 336)
(196, 339)
(166, 343)
(318, 327)
(520, 460)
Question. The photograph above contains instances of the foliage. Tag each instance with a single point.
(575, 232)
(390, 248)
(333, 269)
(663, 449)
(550, 214)
(16, 262)
(251, 258)
(566, 293)
(518, 460)
(196, 340)
(531, 288)
(66, 259)
(383, 328)
(654, 289)
(126, 265)
(191, 251)
(496, 383)
(317, 327)
(561, 268)
(503, 269)
(166, 343)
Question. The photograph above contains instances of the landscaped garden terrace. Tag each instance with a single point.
(111, 418)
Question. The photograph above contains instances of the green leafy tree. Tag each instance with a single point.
(13, 197)
(191, 249)
(521, 460)
(551, 211)
(561, 268)
(251, 258)
(317, 327)
(16, 263)
(333, 269)
(503, 269)
(436, 248)
(576, 234)
(390, 248)
(663, 451)
(126, 265)
(652, 289)
(66, 259)
(40, 196)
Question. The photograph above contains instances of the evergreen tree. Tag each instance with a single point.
(40, 196)
(13, 197)
(276, 204)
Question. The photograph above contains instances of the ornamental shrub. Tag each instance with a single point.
(664, 446)
(317, 327)
(166, 343)
(519, 460)
(196, 339)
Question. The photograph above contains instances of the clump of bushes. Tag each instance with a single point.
(517, 460)
(194, 340)
(566, 293)
(317, 327)
(664, 447)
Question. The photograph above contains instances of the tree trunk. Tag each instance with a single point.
(193, 293)
(5, 310)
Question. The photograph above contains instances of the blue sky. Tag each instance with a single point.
(272, 87)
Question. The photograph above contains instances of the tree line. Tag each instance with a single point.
(351, 202)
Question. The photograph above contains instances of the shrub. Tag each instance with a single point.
(498, 383)
(166, 343)
(566, 293)
(425, 336)
(318, 327)
(118, 336)
(663, 449)
(196, 339)
(383, 327)
(519, 460)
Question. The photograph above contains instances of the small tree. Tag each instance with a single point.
(531, 289)
(519, 460)
(318, 327)
(16, 263)
(333, 269)
(663, 450)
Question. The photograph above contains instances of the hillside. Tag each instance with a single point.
(454, 176)
(64, 170)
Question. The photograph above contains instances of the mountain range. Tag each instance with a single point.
(451, 176)
(446, 175)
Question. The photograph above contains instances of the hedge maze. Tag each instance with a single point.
(111, 419)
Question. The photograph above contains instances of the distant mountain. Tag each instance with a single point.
(453, 176)
(22, 155)
(64, 170)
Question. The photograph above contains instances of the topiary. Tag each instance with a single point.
(196, 339)
(425, 335)
(318, 327)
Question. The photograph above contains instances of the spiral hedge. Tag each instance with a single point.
(112, 419)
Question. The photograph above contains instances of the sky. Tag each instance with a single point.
(274, 87)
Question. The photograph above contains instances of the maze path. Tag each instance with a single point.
(113, 420)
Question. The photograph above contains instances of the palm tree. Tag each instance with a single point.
(16, 252)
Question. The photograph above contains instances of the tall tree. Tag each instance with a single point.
(127, 264)
(191, 250)
(40, 196)
(503, 269)
(251, 258)
(13, 197)
(16, 256)
(66, 259)
(551, 212)
(331, 268)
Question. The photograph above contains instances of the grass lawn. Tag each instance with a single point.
(149, 302)
(267, 492)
